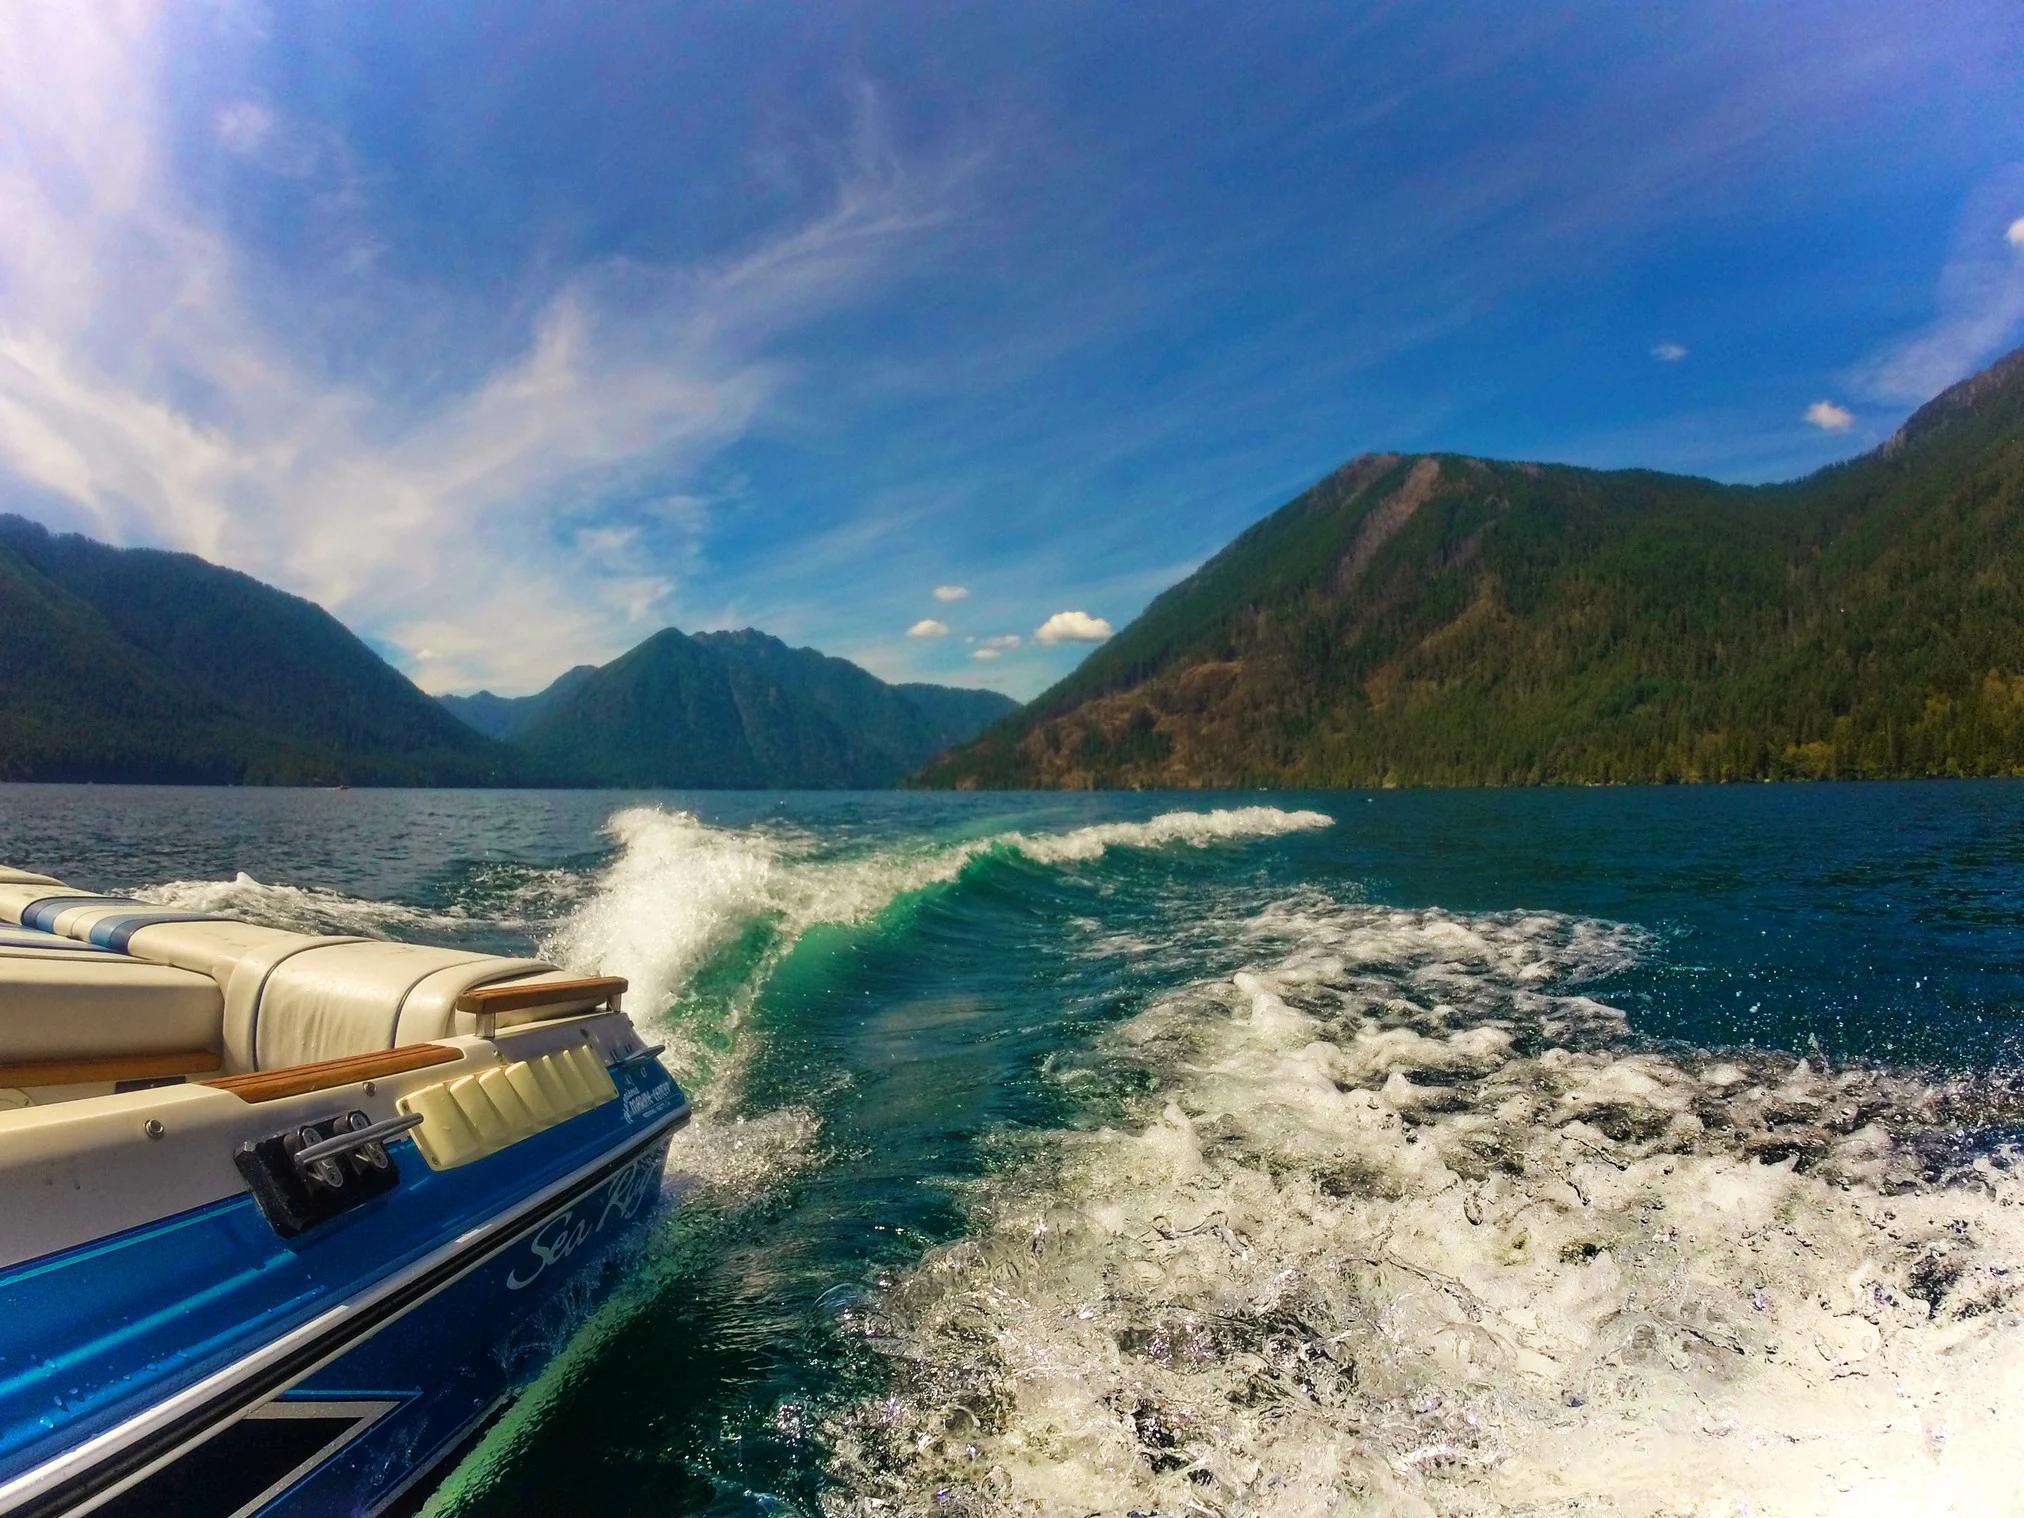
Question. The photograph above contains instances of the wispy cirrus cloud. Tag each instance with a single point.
(1978, 305)
(244, 126)
(524, 521)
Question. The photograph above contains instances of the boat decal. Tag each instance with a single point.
(569, 1230)
(645, 1103)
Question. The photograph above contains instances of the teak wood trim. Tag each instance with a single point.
(517, 996)
(111, 1067)
(294, 1080)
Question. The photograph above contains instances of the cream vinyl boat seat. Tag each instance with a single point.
(62, 1002)
(103, 975)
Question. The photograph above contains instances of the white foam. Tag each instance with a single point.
(1365, 1253)
(733, 1158)
(302, 909)
(675, 890)
(1196, 829)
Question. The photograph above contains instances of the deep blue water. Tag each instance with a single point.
(883, 1001)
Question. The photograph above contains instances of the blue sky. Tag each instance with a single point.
(512, 332)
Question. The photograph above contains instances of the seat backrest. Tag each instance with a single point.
(276, 997)
(323, 998)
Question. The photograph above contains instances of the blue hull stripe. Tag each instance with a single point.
(243, 1393)
(113, 1243)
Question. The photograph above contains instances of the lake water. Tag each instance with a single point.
(1421, 1152)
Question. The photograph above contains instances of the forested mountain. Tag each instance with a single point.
(140, 665)
(136, 664)
(742, 709)
(1443, 620)
(504, 716)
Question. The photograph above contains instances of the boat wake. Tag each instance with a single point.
(523, 902)
(696, 917)
(1398, 1217)
(1406, 1225)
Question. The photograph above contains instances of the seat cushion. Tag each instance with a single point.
(37, 941)
(430, 1011)
(63, 1004)
(325, 998)
(287, 998)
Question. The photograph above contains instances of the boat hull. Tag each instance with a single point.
(223, 1371)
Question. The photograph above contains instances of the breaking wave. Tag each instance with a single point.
(1196, 829)
(1404, 1223)
(681, 891)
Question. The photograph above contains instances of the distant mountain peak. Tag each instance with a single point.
(146, 665)
(504, 716)
(741, 708)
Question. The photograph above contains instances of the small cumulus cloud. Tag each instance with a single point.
(928, 627)
(1669, 353)
(1072, 627)
(2015, 236)
(951, 592)
(994, 648)
(1829, 417)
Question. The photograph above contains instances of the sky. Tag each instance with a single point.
(942, 336)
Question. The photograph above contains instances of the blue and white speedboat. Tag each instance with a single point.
(285, 1219)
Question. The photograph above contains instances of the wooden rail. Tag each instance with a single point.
(111, 1067)
(518, 996)
(294, 1080)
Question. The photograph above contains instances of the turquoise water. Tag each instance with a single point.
(1290, 1152)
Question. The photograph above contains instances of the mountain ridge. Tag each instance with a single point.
(141, 664)
(743, 709)
(144, 665)
(1441, 619)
